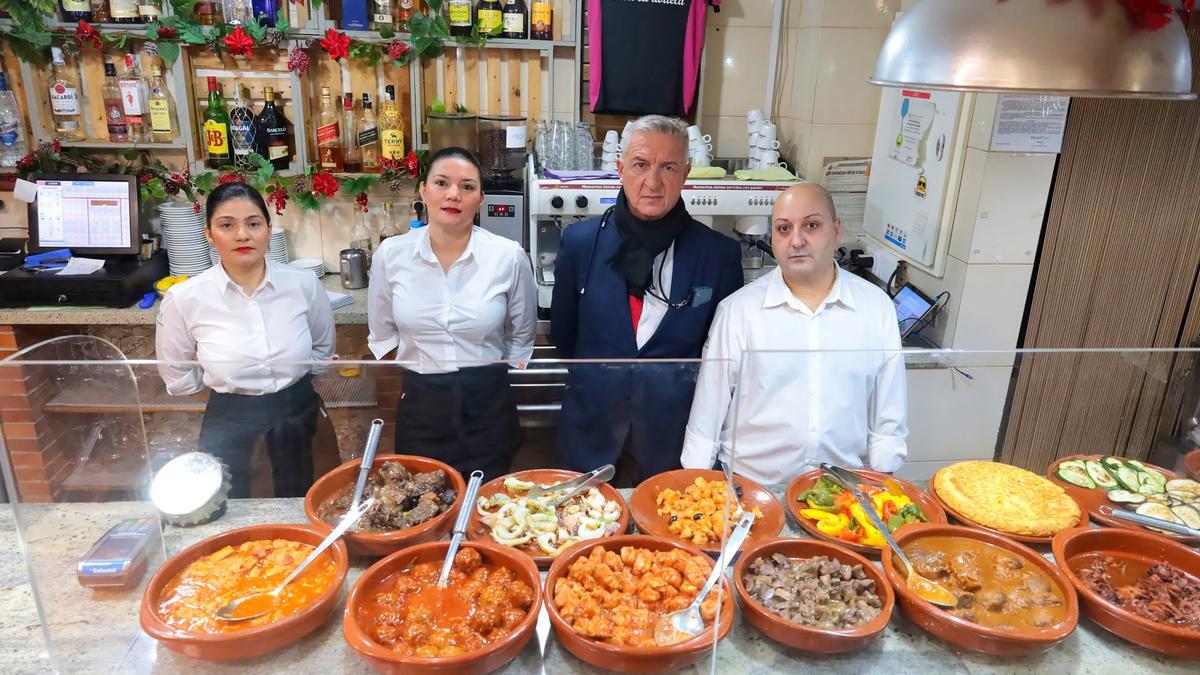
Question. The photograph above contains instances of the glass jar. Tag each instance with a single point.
(502, 142)
(450, 130)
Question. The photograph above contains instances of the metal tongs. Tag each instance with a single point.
(577, 484)
(1148, 521)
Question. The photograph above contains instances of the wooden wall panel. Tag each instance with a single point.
(1117, 269)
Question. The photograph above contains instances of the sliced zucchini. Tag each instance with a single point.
(1102, 478)
(1113, 464)
(1076, 475)
(1184, 485)
(1153, 472)
(1128, 478)
(1077, 463)
(1136, 464)
(1160, 511)
(1126, 497)
(1158, 498)
(1188, 514)
(1149, 489)
(1181, 495)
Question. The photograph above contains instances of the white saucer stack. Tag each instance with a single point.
(183, 237)
(314, 265)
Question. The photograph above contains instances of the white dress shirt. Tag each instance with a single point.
(796, 408)
(245, 343)
(653, 309)
(482, 310)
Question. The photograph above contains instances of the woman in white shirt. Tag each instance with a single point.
(250, 324)
(452, 300)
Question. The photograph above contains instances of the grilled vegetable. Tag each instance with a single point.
(1126, 497)
(1128, 478)
(1076, 475)
(1188, 514)
(1103, 478)
(1160, 511)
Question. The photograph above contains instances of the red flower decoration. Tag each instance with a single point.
(145, 177)
(411, 163)
(25, 162)
(230, 178)
(337, 44)
(196, 207)
(166, 33)
(277, 198)
(56, 145)
(298, 61)
(361, 201)
(396, 49)
(86, 33)
(239, 43)
(389, 164)
(325, 184)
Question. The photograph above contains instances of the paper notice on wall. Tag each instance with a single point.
(916, 115)
(1030, 123)
(847, 180)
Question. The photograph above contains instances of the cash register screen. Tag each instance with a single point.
(87, 213)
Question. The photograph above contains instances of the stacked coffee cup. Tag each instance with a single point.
(610, 151)
(699, 147)
(764, 141)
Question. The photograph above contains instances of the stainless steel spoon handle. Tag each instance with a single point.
(460, 525)
(586, 482)
(837, 474)
(368, 460)
(1149, 521)
(732, 546)
(348, 520)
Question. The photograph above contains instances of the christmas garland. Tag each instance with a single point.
(30, 37)
(158, 182)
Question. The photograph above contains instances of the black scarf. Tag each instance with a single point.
(642, 241)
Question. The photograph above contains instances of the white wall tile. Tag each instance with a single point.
(735, 69)
(795, 140)
(837, 141)
(728, 135)
(744, 13)
(859, 13)
(796, 76)
(847, 59)
(803, 13)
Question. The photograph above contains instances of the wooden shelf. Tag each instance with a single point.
(335, 391)
(111, 145)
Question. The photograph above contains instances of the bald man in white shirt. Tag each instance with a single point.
(803, 395)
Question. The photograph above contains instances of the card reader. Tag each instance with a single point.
(118, 559)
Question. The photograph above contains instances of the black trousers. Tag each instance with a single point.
(467, 419)
(287, 419)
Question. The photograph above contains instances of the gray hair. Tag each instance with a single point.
(659, 124)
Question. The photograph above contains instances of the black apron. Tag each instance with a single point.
(467, 419)
(233, 424)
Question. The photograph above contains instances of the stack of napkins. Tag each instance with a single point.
(339, 300)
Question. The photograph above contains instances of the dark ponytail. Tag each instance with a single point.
(455, 152)
(228, 191)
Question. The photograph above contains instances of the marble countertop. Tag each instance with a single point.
(97, 631)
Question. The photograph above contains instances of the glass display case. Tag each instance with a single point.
(87, 434)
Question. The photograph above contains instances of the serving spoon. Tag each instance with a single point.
(926, 589)
(460, 526)
(686, 623)
(258, 604)
(368, 461)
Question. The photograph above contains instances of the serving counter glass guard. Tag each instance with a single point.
(87, 435)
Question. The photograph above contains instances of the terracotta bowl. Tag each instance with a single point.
(477, 531)
(252, 641)
(1025, 539)
(630, 659)
(1092, 499)
(932, 510)
(382, 543)
(1191, 462)
(485, 660)
(965, 634)
(1076, 548)
(645, 510)
(806, 637)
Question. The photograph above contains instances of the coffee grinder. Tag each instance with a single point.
(502, 154)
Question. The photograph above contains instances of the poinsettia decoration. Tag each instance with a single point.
(86, 34)
(325, 183)
(239, 43)
(336, 43)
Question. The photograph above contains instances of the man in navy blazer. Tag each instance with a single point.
(640, 283)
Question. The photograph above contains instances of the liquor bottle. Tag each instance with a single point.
(391, 127)
(490, 17)
(390, 227)
(382, 14)
(273, 132)
(351, 156)
(237, 12)
(329, 134)
(64, 97)
(12, 136)
(76, 10)
(360, 236)
(216, 128)
(367, 140)
(208, 12)
(516, 17)
(124, 11)
(458, 14)
(149, 10)
(241, 128)
(404, 11)
(541, 20)
(264, 11)
(114, 112)
(134, 97)
(100, 11)
(163, 123)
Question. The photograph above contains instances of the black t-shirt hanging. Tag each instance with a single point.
(645, 55)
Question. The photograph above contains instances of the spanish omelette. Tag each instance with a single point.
(1006, 498)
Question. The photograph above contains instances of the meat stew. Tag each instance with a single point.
(403, 499)
(1158, 591)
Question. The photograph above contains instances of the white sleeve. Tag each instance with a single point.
(175, 349)
(521, 325)
(715, 388)
(382, 336)
(887, 445)
(320, 322)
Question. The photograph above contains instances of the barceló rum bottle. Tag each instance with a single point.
(273, 132)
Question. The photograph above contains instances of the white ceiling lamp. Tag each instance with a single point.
(1065, 47)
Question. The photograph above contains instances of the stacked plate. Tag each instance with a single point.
(314, 265)
(183, 235)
